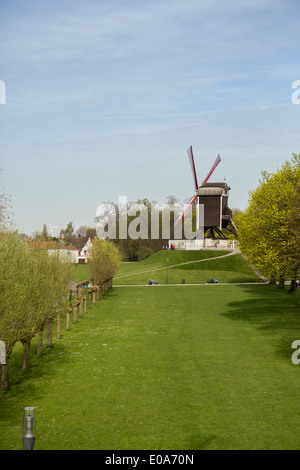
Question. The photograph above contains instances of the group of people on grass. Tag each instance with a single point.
(166, 246)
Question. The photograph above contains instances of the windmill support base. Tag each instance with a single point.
(215, 233)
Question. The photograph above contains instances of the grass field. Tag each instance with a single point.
(193, 266)
(186, 367)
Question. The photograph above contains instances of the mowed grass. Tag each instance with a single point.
(194, 267)
(186, 367)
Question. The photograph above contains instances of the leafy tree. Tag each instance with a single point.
(68, 233)
(33, 284)
(104, 261)
(13, 294)
(269, 227)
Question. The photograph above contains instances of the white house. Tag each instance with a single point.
(85, 252)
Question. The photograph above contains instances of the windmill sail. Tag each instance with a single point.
(186, 208)
(192, 162)
(191, 159)
(216, 163)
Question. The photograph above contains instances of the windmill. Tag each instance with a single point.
(51, 229)
(214, 197)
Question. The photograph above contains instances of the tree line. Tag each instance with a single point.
(269, 229)
(35, 289)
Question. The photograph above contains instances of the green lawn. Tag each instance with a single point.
(187, 367)
(193, 266)
(173, 266)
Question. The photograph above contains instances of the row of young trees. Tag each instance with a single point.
(35, 289)
(269, 229)
(33, 286)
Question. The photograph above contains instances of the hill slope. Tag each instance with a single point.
(193, 266)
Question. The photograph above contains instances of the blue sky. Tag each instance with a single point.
(104, 97)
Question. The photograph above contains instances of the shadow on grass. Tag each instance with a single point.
(198, 442)
(25, 385)
(270, 310)
(22, 384)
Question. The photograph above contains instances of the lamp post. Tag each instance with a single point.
(167, 270)
(29, 425)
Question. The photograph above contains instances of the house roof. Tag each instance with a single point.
(49, 245)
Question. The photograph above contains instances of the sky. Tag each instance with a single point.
(104, 97)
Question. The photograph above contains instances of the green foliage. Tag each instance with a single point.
(33, 285)
(104, 261)
(270, 225)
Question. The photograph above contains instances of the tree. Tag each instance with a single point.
(12, 271)
(5, 213)
(104, 261)
(269, 227)
(45, 232)
(68, 233)
(135, 249)
(33, 285)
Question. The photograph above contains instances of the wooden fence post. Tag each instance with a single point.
(81, 306)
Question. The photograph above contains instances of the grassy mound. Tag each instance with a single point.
(193, 266)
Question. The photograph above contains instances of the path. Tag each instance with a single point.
(234, 252)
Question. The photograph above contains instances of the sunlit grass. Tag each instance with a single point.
(191, 367)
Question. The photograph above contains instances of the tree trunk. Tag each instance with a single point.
(4, 376)
(26, 350)
(273, 279)
(49, 332)
(74, 313)
(68, 318)
(40, 344)
(292, 286)
(281, 281)
(58, 329)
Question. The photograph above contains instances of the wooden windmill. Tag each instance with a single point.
(214, 197)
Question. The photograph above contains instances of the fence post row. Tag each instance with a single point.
(83, 292)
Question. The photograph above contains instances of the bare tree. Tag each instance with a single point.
(5, 212)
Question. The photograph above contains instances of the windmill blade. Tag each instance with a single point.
(191, 159)
(186, 208)
(216, 163)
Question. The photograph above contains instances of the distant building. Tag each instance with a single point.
(67, 253)
(85, 252)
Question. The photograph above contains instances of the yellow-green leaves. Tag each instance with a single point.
(270, 225)
(104, 261)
